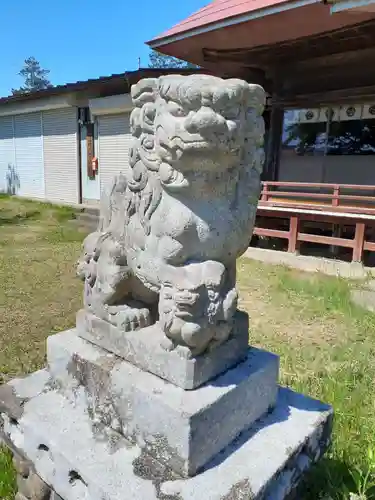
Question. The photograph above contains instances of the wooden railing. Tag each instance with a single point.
(300, 201)
(319, 196)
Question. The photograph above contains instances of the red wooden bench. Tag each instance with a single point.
(338, 205)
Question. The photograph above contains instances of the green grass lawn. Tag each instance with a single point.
(39, 293)
(326, 344)
(7, 476)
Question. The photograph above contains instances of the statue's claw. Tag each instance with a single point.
(129, 318)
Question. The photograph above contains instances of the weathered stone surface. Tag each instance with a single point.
(184, 429)
(19, 496)
(144, 349)
(29, 484)
(264, 463)
(32, 487)
(18, 391)
(55, 496)
(13, 396)
(174, 223)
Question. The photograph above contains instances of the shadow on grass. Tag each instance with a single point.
(18, 218)
(17, 211)
(335, 479)
(328, 479)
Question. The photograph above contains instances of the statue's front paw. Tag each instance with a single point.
(184, 352)
(167, 344)
(197, 336)
(191, 333)
(129, 318)
(222, 332)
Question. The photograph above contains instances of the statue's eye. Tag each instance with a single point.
(175, 109)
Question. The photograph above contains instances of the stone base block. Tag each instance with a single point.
(18, 391)
(143, 348)
(183, 429)
(51, 496)
(13, 397)
(80, 462)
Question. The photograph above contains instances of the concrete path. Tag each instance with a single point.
(365, 296)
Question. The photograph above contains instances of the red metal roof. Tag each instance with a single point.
(248, 24)
(216, 11)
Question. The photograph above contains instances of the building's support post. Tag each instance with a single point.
(79, 158)
(359, 240)
(328, 127)
(271, 166)
(336, 233)
(293, 235)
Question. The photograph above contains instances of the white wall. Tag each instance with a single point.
(28, 141)
(41, 150)
(33, 105)
(60, 148)
(114, 139)
(7, 153)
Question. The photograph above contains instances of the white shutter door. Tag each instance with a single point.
(114, 144)
(60, 155)
(29, 155)
(8, 174)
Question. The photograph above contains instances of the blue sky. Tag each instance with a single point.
(81, 39)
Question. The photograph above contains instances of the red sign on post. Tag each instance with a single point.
(91, 172)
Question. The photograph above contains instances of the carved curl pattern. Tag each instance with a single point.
(145, 191)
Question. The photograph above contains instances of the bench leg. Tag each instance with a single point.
(336, 233)
(293, 234)
(359, 240)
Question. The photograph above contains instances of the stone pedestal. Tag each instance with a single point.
(183, 429)
(144, 348)
(95, 426)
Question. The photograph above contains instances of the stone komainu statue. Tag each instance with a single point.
(173, 224)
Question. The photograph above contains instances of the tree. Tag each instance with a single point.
(35, 77)
(158, 60)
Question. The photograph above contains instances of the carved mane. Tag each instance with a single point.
(144, 191)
